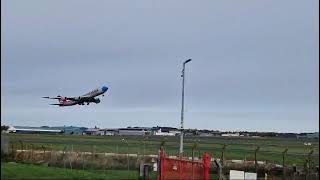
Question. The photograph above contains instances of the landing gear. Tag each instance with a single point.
(88, 103)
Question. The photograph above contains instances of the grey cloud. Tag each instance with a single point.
(247, 57)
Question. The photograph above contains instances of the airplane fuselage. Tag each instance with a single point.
(96, 92)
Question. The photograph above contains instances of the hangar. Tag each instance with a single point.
(36, 130)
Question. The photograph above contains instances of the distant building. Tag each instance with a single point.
(313, 135)
(110, 132)
(165, 131)
(93, 132)
(186, 134)
(230, 134)
(132, 131)
(10, 129)
(205, 135)
(308, 135)
(37, 130)
(72, 130)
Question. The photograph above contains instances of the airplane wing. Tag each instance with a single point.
(80, 98)
(47, 97)
(72, 98)
(56, 104)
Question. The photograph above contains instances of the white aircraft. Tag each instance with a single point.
(86, 98)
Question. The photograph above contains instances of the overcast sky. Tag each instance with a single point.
(255, 64)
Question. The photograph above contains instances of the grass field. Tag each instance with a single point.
(28, 171)
(237, 147)
(11, 170)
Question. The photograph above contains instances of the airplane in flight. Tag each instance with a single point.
(81, 100)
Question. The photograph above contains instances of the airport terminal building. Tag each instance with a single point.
(36, 130)
(131, 131)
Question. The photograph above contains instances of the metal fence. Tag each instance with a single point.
(4, 144)
(181, 168)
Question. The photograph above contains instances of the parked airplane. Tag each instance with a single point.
(86, 98)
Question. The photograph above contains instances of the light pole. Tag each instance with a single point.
(181, 133)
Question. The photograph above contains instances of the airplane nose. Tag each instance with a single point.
(104, 88)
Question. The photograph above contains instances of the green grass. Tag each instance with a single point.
(28, 171)
(13, 170)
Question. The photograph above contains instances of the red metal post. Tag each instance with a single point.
(180, 168)
(192, 163)
(206, 165)
(162, 165)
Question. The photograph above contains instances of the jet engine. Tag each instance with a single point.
(97, 100)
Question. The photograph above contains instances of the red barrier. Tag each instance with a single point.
(182, 169)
